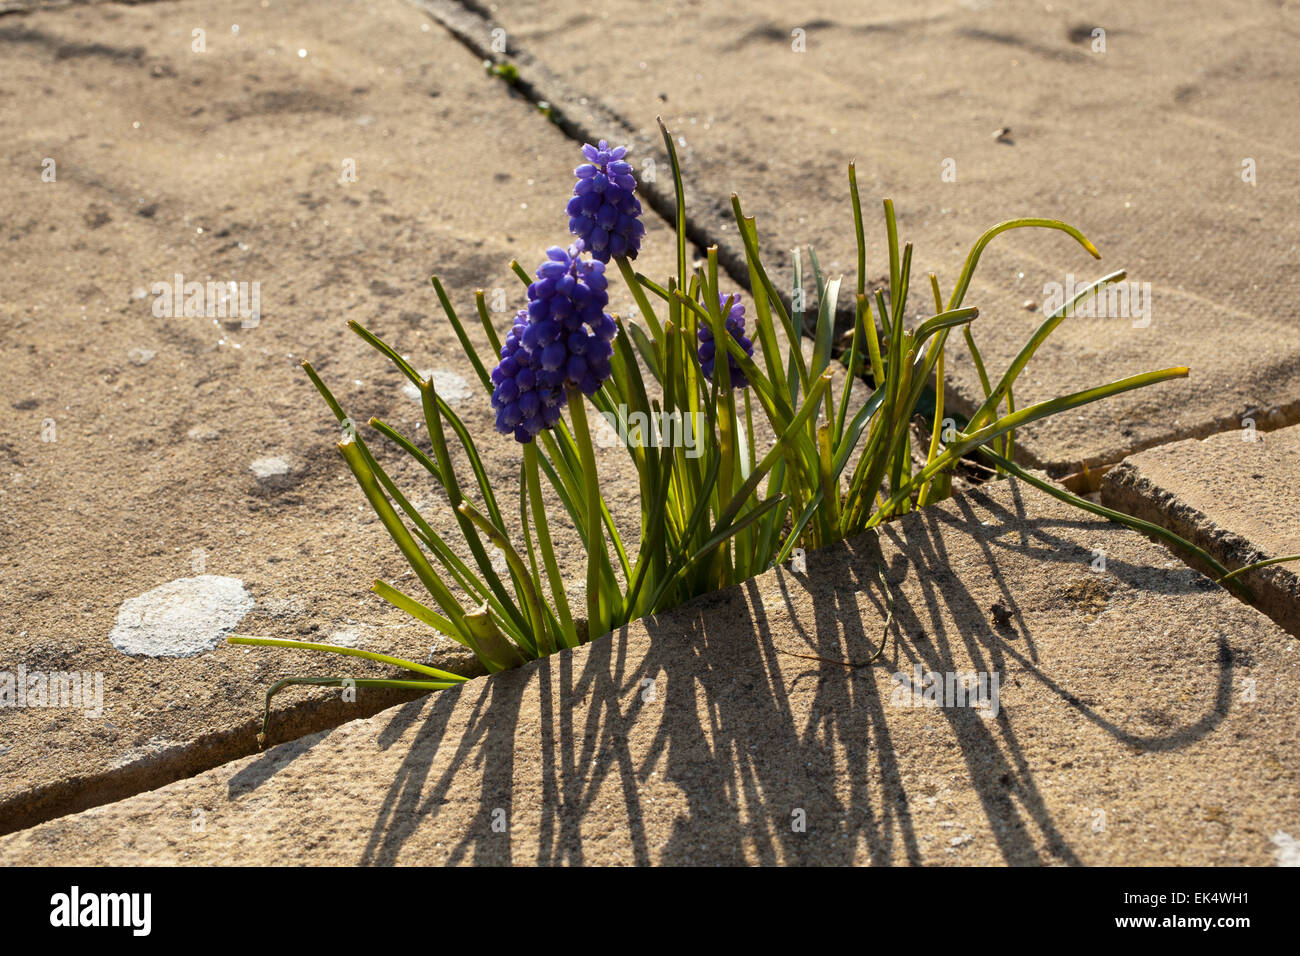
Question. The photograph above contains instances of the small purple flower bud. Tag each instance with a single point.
(735, 325)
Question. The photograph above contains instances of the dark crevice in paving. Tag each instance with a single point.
(38, 6)
(167, 764)
(707, 217)
(1266, 419)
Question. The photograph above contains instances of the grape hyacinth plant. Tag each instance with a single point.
(708, 519)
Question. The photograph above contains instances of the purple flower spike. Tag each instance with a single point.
(604, 212)
(735, 322)
(563, 338)
(567, 331)
(526, 397)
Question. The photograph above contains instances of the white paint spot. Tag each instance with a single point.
(271, 467)
(199, 433)
(1288, 849)
(346, 638)
(141, 356)
(451, 388)
(182, 618)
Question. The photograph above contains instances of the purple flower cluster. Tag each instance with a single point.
(735, 321)
(527, 398)
(562, 339)
(604, 211)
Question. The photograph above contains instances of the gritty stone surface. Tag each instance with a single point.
(151, 462)
(1196, 211)
(731, 730)
(181, 618)
(1232, 495)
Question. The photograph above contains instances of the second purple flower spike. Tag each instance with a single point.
(604, 211)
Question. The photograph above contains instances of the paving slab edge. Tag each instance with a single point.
(1270, 418)
(1276, 589)
(319, 713)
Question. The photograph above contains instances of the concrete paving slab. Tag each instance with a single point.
(331, 157)
(1155, 136)
(1143, 716)
(1232, 494)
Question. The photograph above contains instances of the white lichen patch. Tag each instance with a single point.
(451, 388)
(1288, 849)
(348, 637)
(269, 467)
(182, 618)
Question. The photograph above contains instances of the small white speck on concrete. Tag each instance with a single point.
(181, 618)
(451, 388)
(200, 433)
(348, 637)
(411, 391)
(270, 467)
(141, 356)
(1288, 849)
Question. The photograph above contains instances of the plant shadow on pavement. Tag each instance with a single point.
(739, 720)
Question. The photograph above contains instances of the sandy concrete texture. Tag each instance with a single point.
(1233, 495)
(1144, 717)
(1156, 135)
(138, 449)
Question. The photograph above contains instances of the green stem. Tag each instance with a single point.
(544, 543)
(595, 539)
(346, 652)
